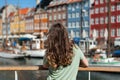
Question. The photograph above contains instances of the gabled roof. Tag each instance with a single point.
(23, 11)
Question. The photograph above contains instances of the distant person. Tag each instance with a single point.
(62, 56)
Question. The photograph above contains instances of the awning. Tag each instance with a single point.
(25, 39)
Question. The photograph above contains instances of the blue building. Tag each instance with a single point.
(78, 20)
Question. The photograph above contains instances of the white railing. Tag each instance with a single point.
(89, 69)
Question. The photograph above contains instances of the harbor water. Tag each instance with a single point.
(42, 74)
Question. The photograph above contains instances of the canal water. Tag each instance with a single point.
(41, 75)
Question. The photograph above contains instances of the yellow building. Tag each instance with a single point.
(17, 26)
(12, 26)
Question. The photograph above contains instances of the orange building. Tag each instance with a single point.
(41, 22)
(44, 21)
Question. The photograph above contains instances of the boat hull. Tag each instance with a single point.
(35, 53)
(11, 55)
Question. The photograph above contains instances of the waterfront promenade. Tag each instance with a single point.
(31, 69)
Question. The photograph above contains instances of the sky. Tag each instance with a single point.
(22, 3)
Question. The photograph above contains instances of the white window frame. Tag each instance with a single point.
(92, 21)
(118, 7)
(101, 20)
(96, 2)
(118, 32)
(113, 32)
(118, 18)
(96, 20)
(112, 8)
(96, 10)
(112, 19)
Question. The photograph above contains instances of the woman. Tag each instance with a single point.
(62, 56)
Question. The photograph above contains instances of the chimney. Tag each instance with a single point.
(37, 2)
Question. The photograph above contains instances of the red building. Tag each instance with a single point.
(99, 19)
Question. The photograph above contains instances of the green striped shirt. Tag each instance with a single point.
(69, 72)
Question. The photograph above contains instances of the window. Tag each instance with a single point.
(73, 24)
(69, 7)
(73, 8)
(86, 4)
(118, 18)
(112, 0)
(69, 15)
(101, 20)
(113, 32)
(96, 21)
(77, 34)
(118, 32)
(96, 1)
(59, 16)
(69, 25)
(50, 10)
(50, 17)
(97, 10)
(73, 15)
(77, 24)
(86, 13)
(102, 10)
(118, 6)
(64, 16)
(101, 1)
(59, 8)
(113, 8)
(86, 23)
(113, 19)
(77, 5)
(63, 7)
(92, 11)
(92, 21)
(77, 15)
(54, 16)
(106, 20)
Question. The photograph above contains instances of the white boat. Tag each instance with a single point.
(104, 62)
(35, 53)
(11, 55)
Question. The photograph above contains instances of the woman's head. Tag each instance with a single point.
(59, 50)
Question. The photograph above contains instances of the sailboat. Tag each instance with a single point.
(7, 52)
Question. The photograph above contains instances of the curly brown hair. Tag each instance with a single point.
(59, 51)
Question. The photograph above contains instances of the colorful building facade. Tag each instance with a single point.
(78, 12)
(44, 21)
(99, 19)
(29, 19)
(57, 12)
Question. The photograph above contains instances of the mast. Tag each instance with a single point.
(6, 21)
(18, 19)
(108, 27)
